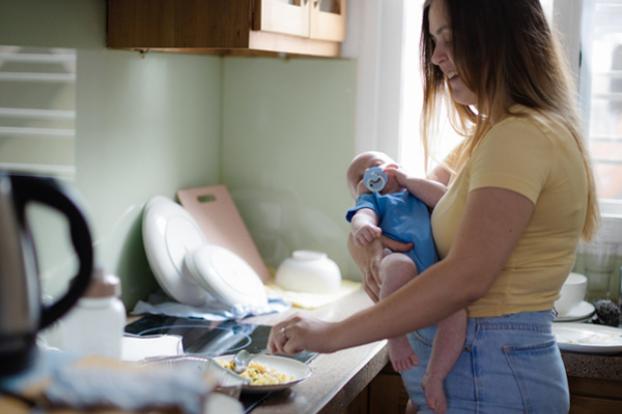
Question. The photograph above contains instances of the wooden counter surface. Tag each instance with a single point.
(595, 380)
(337, 378)
(594, 366)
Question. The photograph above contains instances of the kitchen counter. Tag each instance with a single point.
(601, 367)
(337, 378)
(595, 380)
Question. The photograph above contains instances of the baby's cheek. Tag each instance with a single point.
(361, 189)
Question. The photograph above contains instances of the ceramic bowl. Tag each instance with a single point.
(308, 271)
(572, 293)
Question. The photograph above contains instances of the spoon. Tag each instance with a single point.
(241, 361)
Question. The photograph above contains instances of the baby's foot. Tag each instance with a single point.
(434, 393)
(401, 354)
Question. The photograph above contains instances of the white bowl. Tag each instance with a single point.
(308, 271)
(572, 293)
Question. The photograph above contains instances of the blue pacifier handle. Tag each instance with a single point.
(375, 179)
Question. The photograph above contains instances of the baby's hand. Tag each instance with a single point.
(366, 233)
(400, 176)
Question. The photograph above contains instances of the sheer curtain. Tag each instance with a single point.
(383, 36)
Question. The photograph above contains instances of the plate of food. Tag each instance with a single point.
(269, 372)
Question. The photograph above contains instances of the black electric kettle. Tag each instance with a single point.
(22, 313)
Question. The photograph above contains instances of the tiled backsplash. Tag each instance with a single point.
(601, 260)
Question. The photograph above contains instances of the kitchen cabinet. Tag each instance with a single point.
(272, 27)
(595, 382)
(595, 396)
(385, 394)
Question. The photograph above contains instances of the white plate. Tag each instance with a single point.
(588, 338)
(579, 312)
(226, 276)
(289, 366)
(169, 232)
(220, 403)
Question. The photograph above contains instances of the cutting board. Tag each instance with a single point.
(213, 209)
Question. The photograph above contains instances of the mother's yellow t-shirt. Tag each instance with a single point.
(538, 158)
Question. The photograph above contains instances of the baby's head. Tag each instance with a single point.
(362, 162)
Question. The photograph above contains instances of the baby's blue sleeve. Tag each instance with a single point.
(363, 201)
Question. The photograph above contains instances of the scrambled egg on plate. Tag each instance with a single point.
(259, 374)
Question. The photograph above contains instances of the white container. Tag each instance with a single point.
(571, 294)
(308, 271)
(95, 325)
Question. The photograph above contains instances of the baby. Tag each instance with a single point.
(390, 202)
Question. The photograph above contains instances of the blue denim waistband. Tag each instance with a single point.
(524, 321)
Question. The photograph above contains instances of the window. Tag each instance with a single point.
(410, 148)
(594, 49)
(384, 37)
(601, 96)
(37, 110)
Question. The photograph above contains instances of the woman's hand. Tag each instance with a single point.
(366, 233)
(368, 260)
(300, 333)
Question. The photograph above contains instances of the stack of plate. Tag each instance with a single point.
(190, 270)
(583, 311)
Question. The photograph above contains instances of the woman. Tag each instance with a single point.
(520, 197)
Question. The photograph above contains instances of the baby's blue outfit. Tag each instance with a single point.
(402, 217)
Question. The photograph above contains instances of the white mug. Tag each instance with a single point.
(571, 294)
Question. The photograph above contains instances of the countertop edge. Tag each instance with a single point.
(593, 366)
(365, 375)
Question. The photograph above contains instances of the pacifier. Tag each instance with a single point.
(375, 179)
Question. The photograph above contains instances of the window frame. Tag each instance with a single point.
(572, 23)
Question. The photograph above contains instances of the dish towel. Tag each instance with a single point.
(160, 304)
(88, 387)
(306, 300)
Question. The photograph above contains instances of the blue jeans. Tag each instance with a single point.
(510, 364)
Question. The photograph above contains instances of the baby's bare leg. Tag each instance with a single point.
(448, 344)
(397, 269)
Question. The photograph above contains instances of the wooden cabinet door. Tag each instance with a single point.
(282, 16)
(328, 20)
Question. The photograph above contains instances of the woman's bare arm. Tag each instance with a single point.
(492, 225)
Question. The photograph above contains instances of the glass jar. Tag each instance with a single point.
(95, 325)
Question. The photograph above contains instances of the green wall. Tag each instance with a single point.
(145, 126)
(287, 140)
(278, 132)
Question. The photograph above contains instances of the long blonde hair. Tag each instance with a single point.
(505, 53)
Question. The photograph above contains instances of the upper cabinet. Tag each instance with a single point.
(302, 27)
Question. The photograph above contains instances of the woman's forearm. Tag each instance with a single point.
(423, 301)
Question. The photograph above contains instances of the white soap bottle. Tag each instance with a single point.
(95, 325)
